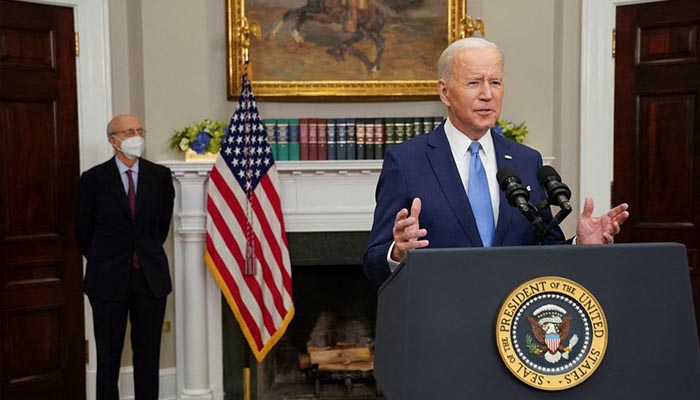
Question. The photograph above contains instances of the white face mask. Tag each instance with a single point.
(131, 147)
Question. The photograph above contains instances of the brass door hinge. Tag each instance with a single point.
(614, 43)
(77, 44)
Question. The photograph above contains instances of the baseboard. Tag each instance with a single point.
(167, 389)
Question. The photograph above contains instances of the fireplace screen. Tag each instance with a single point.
(328, 349)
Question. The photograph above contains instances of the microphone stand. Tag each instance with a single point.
(564, 211)
(531, 212)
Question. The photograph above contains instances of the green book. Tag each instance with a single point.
(283, 139)
(400, 130)
(417, 126)
(271, 129)
(408, 128)
(389, 132)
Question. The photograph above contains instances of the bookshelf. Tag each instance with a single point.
(312, 139)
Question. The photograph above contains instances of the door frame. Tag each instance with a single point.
(93, 82)
(598, 98)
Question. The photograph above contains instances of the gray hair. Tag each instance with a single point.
(110, 127)
(448, 54)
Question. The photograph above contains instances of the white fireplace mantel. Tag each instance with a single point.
(317, 196)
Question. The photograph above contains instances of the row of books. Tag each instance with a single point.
(307, 139)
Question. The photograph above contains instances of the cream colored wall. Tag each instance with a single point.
(169, 67)
(567, 105)
(128, 96)
(540, 40)
(524, 32)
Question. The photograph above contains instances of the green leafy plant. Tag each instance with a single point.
(511, 130)
(200, 137)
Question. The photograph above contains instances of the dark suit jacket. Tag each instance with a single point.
(108, 237)
(424, 167)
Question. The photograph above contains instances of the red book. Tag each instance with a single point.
(304, 139)
(313, 139)
(369, 139)
(322, 149)
(378, 139)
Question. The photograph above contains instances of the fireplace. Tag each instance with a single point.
(327, 209)
(335, 309)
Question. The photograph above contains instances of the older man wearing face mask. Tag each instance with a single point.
(122, 219)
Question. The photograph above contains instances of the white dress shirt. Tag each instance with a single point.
(459, 145)
(125, 179)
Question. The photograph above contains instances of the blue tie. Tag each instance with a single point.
(479, 198)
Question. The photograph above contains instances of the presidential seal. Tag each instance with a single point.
(551, 333)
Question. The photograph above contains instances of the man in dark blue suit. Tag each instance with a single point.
(448, 177)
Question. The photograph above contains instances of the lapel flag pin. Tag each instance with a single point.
(508, 157)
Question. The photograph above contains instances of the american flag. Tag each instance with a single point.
(246, 246)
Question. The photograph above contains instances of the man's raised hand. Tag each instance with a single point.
(407, 232)
(601, 229)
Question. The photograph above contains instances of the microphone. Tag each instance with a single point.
(518, 196)
(516, 193)
(557, 192)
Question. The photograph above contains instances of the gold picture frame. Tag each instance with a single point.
(314, 83)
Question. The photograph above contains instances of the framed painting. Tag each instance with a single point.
(341, 49)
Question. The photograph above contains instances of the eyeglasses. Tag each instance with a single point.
(131, 132)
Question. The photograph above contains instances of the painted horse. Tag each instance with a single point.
(369, 22)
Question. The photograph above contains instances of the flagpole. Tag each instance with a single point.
(250, 259)
(249, 125)
(246, 372)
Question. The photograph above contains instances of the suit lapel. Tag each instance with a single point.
(502, 147)
(143, 186)
(445, 170)
(117, 186)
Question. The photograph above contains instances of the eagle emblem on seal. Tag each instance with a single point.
(550, 325)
